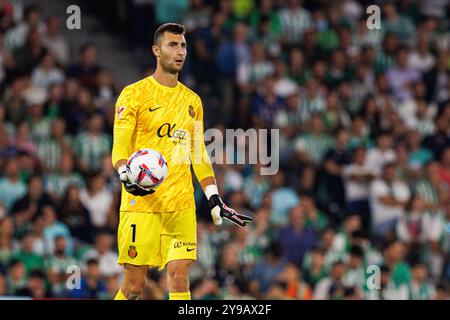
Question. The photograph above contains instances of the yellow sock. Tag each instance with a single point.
(120, 296)
(180, 295)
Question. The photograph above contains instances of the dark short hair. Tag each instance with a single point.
(37, 273)
(171, 27)
(357, 251)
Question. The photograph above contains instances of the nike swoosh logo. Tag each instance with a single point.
(151, 110)
(189, 249)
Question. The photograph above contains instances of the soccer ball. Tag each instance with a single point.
(147, 168)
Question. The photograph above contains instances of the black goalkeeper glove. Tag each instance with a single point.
(219, 210)
(132, 188)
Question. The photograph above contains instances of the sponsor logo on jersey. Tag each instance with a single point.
(191, 111)
(154, 109)
(188, 244)
(120, 111)
(169, 130)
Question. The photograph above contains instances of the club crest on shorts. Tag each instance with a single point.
(132, 253)
(191, 111)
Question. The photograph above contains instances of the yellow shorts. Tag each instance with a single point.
(154, 239)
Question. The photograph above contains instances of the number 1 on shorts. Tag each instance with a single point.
(133, 236)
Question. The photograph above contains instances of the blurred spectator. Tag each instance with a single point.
(418, 156)
(332, 286)
(104, 255)
(55, 228)
(380, 155)
(341, 241)
(3, 288)
(90, 146)
(314, 267)
(75, 215)
(441, 292)
(228, 267)
(297, 239)
(57, 266)
(284, 86)
(295, 20)
(47, 74)
(401, 76)
(277, 291)
(6, 59)
(296, 288)
(420, 288)
(27, 257)
(267, 269)
(91, 286)
(358, 176)
(372, 256)
(170, 11)
(55, 41)
(37, 231)
(249, 76)
(16, 279)
(355, 275)
(58, 182)
(104, 92)
(444, 168)
(87, 68)
(312, 145)
(11, 187)
(25, 208)
(14, 100)
(437, 80)
(205, 289)
(30, 54)
(97, 200)
(36, 286)
(16, 36)
(432, 190)
(7, 241)
(388, 290)
(440, 139)
(312, 102)
(237, 290)
(388, 198)
(267, 105)
(256, 186)
(331, 182)
(315, 218)
(394, 255)
(283, 198)
(410, 228)
(400, 25)
(422, 60)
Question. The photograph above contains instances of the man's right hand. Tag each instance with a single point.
(132, 188)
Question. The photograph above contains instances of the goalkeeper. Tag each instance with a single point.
(157, 228)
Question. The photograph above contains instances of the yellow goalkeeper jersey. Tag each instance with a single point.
(169, 120)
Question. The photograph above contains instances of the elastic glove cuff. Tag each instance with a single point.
(123, 173)
(214, 200)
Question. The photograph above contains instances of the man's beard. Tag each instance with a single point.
(171, 69)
